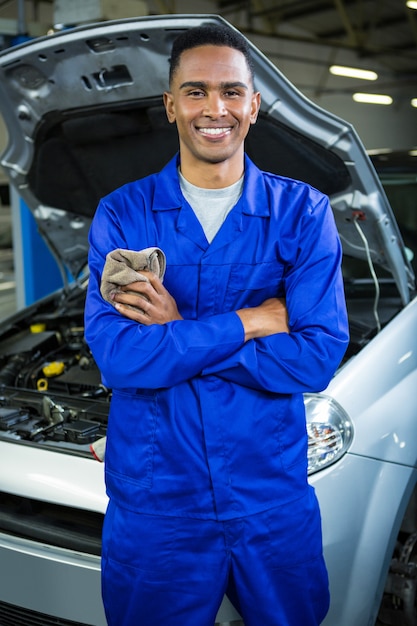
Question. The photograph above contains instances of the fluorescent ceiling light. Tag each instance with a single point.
(412, 4)
(414, 102)
(352, 72)
(377, 151)
(372, 98)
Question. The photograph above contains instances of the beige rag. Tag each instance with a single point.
(121, 268)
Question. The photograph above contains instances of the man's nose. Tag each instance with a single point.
(214, 105)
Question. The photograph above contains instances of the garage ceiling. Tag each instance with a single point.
(382, 29)
(379, 33)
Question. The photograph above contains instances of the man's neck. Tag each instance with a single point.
(212, 175)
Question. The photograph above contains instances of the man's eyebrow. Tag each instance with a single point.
(193, 83)
(199, 84)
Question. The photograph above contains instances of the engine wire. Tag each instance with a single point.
(373, 273)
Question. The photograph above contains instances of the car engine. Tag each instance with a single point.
(50, 387)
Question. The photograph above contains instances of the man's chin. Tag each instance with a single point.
(214, 157)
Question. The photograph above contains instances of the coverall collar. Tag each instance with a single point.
(168, 194)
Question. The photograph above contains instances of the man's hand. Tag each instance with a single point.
(267, 319)
(147, 302)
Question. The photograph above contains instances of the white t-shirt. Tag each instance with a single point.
(211, 206)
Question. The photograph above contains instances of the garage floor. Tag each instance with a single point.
(7, 284)
(7, 279)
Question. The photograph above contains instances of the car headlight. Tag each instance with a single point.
(329, 429)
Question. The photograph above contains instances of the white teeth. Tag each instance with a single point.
(214, 131)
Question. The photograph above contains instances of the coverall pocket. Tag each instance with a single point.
(252, 284)
(131, 436)
(292, 436)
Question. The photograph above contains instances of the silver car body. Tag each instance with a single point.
(365, 479)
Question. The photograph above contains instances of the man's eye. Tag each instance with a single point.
(231, 93)
(196, 93)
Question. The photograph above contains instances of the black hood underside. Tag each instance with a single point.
(74, 164)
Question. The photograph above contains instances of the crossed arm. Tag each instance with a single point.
(153, 304)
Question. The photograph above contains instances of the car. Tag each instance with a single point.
(84, 114)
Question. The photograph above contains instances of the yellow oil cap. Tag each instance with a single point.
(37, 328)
(53, 369)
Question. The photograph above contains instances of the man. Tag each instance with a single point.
(206, 449)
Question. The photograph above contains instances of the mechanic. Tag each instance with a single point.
(206, 458)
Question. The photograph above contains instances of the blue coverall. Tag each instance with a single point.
(204, 428)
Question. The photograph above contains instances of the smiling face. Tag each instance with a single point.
(213, 103)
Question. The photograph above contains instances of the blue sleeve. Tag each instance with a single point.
(307, 358)
(129, 354)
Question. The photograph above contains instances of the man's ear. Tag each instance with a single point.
(256, 103)
(169, 106)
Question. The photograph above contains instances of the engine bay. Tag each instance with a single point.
(50, 387)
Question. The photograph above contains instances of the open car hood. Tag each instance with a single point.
(84, 114)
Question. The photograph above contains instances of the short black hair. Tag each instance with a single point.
(209, 35)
